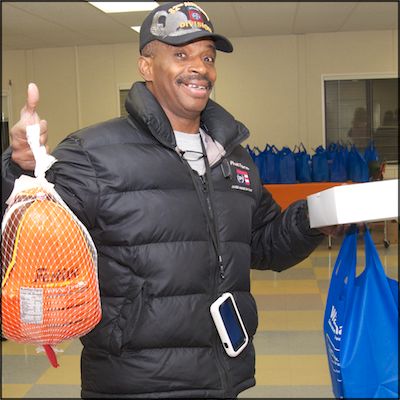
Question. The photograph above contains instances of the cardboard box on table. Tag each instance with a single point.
(353, 203)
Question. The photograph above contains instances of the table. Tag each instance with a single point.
(285, 194)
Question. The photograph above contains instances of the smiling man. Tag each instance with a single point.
(178, 214)
(181, 79)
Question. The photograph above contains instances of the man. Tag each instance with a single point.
(176, 209)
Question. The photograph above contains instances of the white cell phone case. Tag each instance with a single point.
(229, 324)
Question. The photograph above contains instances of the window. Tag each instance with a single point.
(123, 93)
(5, 140)
(361, 110)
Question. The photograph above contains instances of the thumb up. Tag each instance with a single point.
(21, 151)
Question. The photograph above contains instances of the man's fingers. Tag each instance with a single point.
(43, 131)
(333, 230)
(22, 156)
(18, 134)
(24, 159)
(43, 126)
(339, 230)
(362, 226)
(32, 99)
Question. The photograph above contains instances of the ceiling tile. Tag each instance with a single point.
(43, 24)
(79, 25)
(264, 18)
(376, 15)
(224, 18)
(321, 16)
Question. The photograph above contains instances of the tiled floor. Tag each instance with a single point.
(291, 360)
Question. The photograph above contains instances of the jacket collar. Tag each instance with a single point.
(215, 120)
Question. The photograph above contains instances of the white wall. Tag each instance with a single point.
(272, 84)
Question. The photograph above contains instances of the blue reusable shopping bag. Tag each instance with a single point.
(303, 164)
(371, 153)
(337, 163)
(361, 325)
(357, 167)
(271, 164)
(259, 161)
(371, 157)
(287, 166)
(320, 169)
(251, 152)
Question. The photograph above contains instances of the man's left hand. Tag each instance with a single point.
(339, 230)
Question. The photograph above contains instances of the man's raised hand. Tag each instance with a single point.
(21, 152)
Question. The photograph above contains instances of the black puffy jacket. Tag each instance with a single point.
(151, 219)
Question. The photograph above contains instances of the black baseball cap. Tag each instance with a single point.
(180, 23)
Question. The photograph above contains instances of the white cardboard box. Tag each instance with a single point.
(352, 203)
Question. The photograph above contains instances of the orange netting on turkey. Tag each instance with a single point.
(49, 272)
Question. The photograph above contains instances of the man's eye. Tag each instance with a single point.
(180, 55)
(209, 59)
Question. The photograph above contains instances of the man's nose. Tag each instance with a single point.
(197, 65)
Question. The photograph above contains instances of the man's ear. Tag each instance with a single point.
(145, 68)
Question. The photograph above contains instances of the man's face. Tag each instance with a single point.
(181, 78)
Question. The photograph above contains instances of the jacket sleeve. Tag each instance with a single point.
(73, 175)
(75, 179)
(9, 173)
(281, 239)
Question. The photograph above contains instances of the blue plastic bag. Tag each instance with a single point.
(371, 157)
(258, 159)
(371, 153)
(271, 164)
(320, 169)
(303, 164)
(357, 167)
(287, 166)
(361, 325)
(337, 163)
(251, 152)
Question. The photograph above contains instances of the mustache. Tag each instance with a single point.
(187, 79)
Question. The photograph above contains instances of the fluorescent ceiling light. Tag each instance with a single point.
(136, 28)
(124, 6)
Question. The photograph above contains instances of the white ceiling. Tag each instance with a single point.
(29, 25)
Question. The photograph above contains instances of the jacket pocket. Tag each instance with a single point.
(248, 311)
(128, 317)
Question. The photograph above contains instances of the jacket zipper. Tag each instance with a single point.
(213, 227)
(221, 364)
(201, 184)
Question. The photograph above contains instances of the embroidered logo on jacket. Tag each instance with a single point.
(242, 177)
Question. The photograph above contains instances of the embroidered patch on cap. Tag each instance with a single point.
(180, 23)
